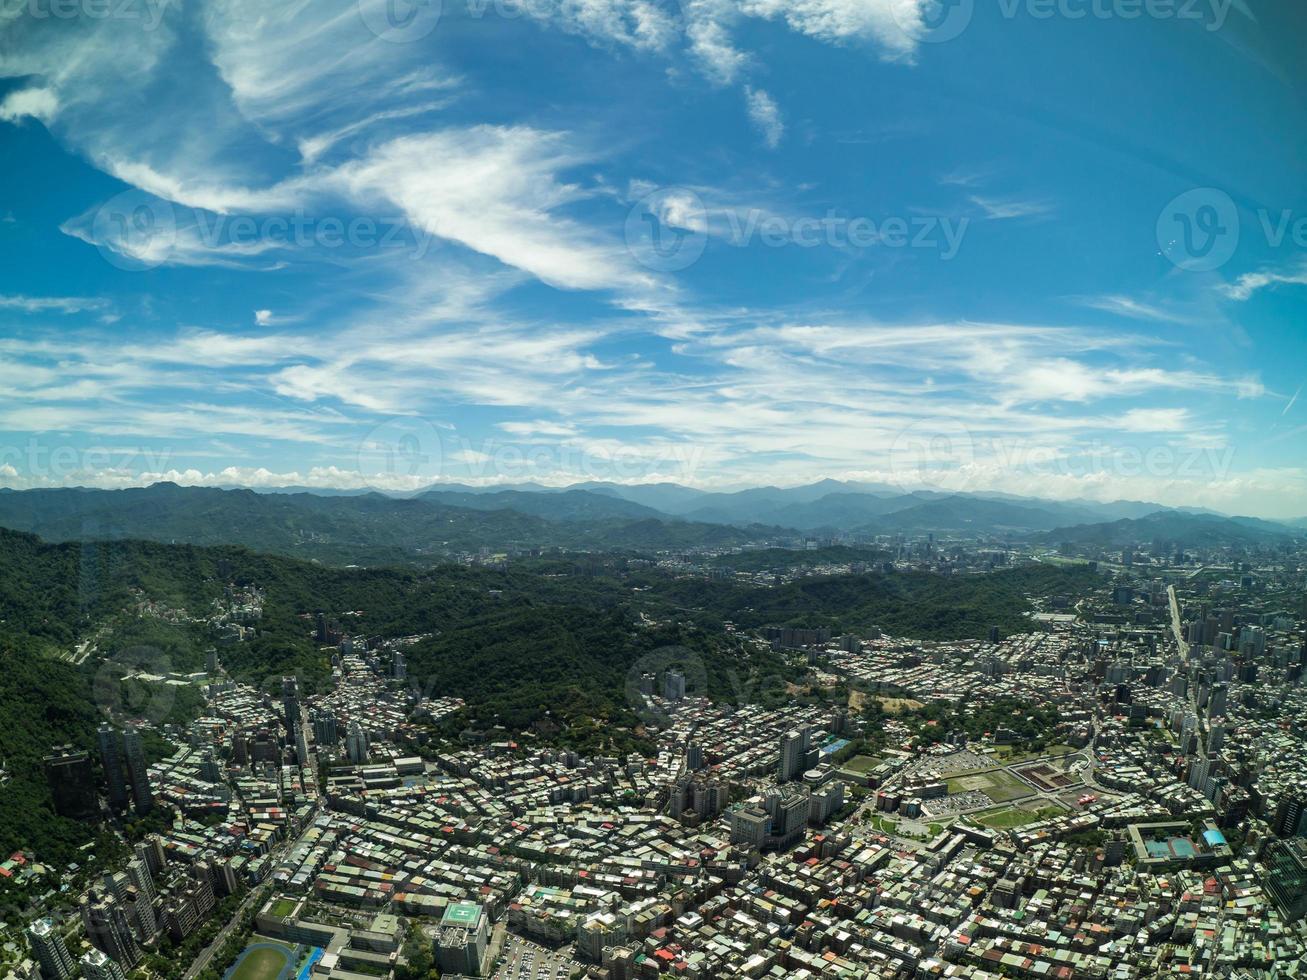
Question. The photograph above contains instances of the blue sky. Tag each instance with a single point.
(1047, 247)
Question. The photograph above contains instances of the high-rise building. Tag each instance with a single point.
(107, 927)
(1286, 876)
(50, 950)
(749, 826)
(1216, 706)
(1290, 815)
(111, 757)
(674, 685)
(356, 743)
(461, 943)
(138, 771)
(142, 904)
(694, 757)
(72, 781)
(152, 853)
(97, 966)
(290, 703)
(794, 754)
(324, 728)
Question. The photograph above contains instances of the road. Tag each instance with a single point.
(1180, 643)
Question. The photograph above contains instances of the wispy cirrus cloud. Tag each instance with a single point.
(52, 304)
(1005, 209)
(1250, 283)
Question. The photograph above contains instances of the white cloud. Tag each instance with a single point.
(1126, 306)
(1002, 209)
(765, 114)
(895, 25)
(495, 190)
(1250, 282)
(35, 103)
(51, 304)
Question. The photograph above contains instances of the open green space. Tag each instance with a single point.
(861, 764)
(263, 963)
(282, 907)
(1007, 818)
(998, 784)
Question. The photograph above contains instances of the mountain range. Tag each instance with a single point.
(434, 524)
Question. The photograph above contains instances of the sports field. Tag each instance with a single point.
(262, 961)
(861, 764)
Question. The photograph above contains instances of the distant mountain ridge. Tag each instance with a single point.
(368, 528)
(1187, 529)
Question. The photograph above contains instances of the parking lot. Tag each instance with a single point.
(525, 960)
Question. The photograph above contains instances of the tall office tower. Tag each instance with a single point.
(1286, 878)
(97, 966)
(1199, 770)
(138, 772)
(72, 781)
(108, 929)
(111, 757)
(1216, 739)
(1290, 815)
(694, 757)
(290, 702)
(1216, 706)
(50, 950)
(398, 668)
(794, 752)
(674, 685)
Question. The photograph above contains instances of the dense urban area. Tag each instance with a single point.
(902, 756)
